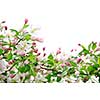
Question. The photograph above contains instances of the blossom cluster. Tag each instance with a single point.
(22, 62)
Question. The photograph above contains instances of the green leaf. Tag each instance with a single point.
(90, 69)
(1, 51)
(54, 73)
(24, 69)
(58, 79)
(86, 51)
(99, 61)
(13, 30)
(32, 71)
(51, 62)
(89, 46)
(27, 37)
(9, 56)
(94, 46)
(25, 26)
(50, 57)
(48, 77)
(71, 71)
(73, 63)
(32, 57)
(2, 36)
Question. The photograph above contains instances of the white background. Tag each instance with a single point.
(63, 23)
(49, 91)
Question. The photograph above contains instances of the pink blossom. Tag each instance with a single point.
(1, 57)
(14, 42)
(21, 53)
(26, 62)
(1, 65)
(39, 39)
(99, 44)
(36, 39)
(98, 49)
(62, 65)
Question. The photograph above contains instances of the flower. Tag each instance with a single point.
(26, 62)
(34, 44)
(5, 27)
(26, 21)
(20, 52)
(35, 50)
(11, 62)
(68, 63)
(12, 75)
(72, 50)
(62, 65)
(44, 54)
(58, 51)
(38, 54)
(36, 39)
(98, 49)
(78, 60)
(99, 44)
(43, 48)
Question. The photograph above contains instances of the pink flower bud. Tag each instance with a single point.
(43, 48)
(34, 44)
(12, 75)
(38, 54)
(36, 50)
(78, 60)
(44, 54)
(5, 27)
(79, 44)
(11, 62)
(26, 21)
(68, 63)
(62, 65)
(58, 51)
(71, 50)
(3, 21)
(9, 49)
